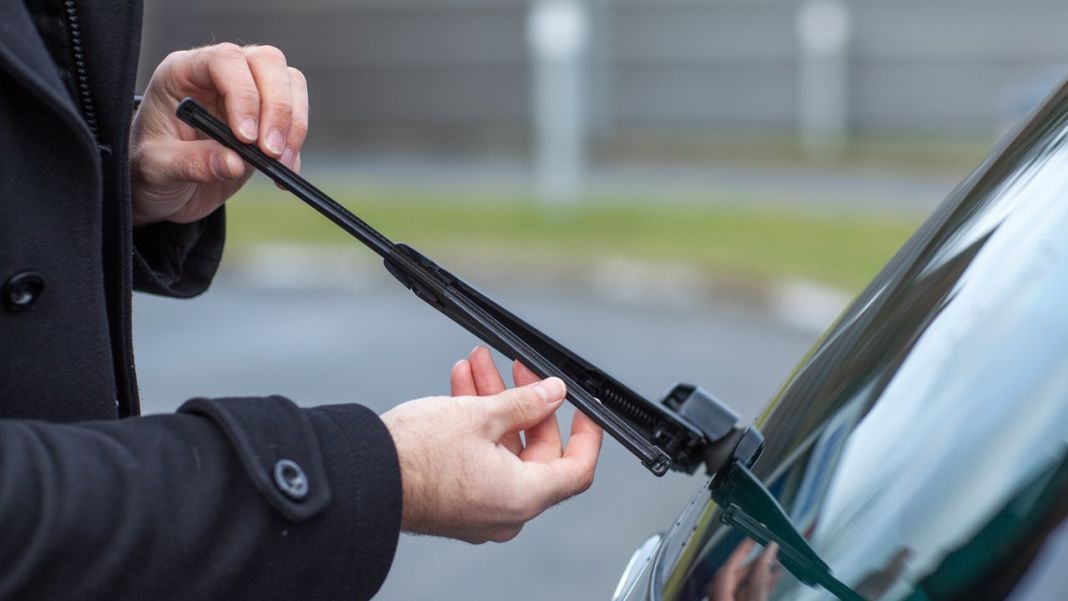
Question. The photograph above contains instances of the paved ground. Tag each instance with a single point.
(374, 343)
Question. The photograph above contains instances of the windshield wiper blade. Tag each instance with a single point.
(687, 429)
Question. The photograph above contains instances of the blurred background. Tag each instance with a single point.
(681, 190)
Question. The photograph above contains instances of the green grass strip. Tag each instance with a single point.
(843, 250)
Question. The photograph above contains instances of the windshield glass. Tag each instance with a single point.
(934, 410)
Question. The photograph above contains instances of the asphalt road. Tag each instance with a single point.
(375, 344)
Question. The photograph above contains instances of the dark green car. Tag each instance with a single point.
(919, 450)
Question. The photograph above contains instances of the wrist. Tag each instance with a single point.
(412, 481)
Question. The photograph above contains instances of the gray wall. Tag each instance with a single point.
(455, 71)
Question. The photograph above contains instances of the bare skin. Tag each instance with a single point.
(737, 580)
(178, 175)
(466, 473)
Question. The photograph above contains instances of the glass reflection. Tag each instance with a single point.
(935, 411)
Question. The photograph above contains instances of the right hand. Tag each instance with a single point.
(461, 474)
(737, 580)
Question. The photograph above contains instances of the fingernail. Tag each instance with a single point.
(235, 167)
(549, 390)
(218, 166)
(474, 350)
(275, 141)
(249, 129)
(288, 156)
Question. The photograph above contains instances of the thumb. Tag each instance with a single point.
(526, 406)
(198, 161)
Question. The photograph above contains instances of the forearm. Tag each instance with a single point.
(175, 506)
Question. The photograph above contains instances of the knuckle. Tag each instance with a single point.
(299, 128)
(191, 165)
(298, 77)
(280, 108)
(244, 95)
(524, 401)
(268, 53)
(175, 57)
(227, 50)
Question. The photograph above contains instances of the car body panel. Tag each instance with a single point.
(934, 405)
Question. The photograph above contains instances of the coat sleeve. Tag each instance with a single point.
(178, 259)
(227, 499)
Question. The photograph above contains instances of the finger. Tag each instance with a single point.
(269, 69)
(462, 383)
(521, 374)
(298, 126)
(575, 469)
(488, 382)
(776, 574)
(519, 408)
(223, 70)
(585, 439)
(199, 161)
(730, 574)
(760, 576)
(543, 439)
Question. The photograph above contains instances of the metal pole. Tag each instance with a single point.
(558, 34)
(823, 30)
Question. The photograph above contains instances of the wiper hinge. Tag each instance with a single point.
(749, 506)
(687, 429)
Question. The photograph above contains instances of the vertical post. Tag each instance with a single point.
(558, 37)
(823, 30)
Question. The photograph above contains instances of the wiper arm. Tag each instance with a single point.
(688, 428)
(749, 506)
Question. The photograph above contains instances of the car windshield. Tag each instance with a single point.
(923, 440)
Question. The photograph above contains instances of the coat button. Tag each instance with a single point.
(290, 479)
(22, 290)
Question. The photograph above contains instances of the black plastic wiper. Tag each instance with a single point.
(749, 506)
(688, 428)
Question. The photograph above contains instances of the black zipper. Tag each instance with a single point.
(83, 95)
(117, 293)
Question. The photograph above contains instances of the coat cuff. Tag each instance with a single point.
(343, 468)
(361, 462)
(278, 448)
(178, 259)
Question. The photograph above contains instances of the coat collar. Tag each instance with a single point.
(24, 55)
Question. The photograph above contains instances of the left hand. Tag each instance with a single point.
(178, 175)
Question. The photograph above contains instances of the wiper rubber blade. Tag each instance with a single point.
(687, 429)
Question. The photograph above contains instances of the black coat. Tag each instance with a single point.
(238, 498)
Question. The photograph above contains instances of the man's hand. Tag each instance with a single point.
(179, 176)
(464, 469)
(741, 581)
